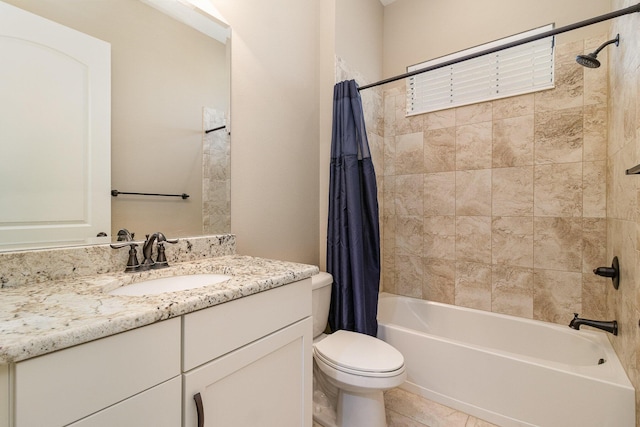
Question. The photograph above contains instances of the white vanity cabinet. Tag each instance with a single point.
(249, 361)
(104, 380)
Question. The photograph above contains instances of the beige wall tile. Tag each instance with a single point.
(389, 154)
(409, 232)
(389, 114)
(595, 83)
(558, 136)
(409, 154)
(557, 243)
(566, 52)
(404, 124)
(473, 192)
(473, 285)
(440, 150)
(622, 191)
(440, 119)
(440, 193)
(512, 290)
(389, 194)
(594, 296)
(558, 190)
(388, 238)
(473, 239)
(556, 295)
(513, 141)
(475, 113)
(594, 189)
(594, 246)
(515, 106)
(440, 237)
(512, 191)
(474, 146)
(568, 92)
(409, 275)
(512, 241)
(408, 195)
(439, 280)
(594, 132)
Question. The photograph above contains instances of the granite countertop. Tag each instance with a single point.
(41, 318)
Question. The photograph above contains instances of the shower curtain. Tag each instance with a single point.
(353, 238)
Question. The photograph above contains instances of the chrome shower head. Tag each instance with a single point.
(591, 60)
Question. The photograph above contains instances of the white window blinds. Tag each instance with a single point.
(518, 70)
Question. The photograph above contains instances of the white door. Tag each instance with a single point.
(55, 124)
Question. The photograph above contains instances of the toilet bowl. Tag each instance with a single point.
(360, 367)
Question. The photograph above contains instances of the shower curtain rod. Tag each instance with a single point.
(595, 20)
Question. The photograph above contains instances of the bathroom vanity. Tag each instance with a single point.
(237, 353)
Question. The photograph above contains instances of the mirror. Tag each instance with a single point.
(169, 83)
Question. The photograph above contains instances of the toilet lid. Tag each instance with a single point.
(359, 352)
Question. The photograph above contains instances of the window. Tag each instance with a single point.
(514, 71)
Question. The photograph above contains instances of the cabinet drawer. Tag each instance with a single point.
(157, 407)
(62, 387)
(215, 331)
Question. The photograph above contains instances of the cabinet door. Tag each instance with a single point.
(70, 384)
(266, 383)
(157, 407)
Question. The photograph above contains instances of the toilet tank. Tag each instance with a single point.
(320, 300)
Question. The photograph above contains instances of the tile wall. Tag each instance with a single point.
(216, 175)
(501, 206)
(623, 203)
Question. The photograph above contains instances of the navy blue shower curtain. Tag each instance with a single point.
(353, 237)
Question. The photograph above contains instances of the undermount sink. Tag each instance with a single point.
(170, 284)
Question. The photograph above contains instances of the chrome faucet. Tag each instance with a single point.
(611, 326)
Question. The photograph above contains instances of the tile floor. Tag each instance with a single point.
(405, 409)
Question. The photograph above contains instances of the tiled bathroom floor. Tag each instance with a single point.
(405, 409)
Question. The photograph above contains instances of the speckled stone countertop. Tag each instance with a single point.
(44, 317)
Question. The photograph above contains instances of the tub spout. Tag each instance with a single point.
(611, 327)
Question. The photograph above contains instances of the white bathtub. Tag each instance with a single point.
(507, 370)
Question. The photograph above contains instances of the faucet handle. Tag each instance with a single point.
(161, 259)
(162, 238)
(132, 263)
(122, 245)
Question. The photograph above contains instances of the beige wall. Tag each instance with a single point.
(327, 81)
(622, 190)
(351, 31)
(275, 114)
(359, 25)
(418, 30)
(163, 73)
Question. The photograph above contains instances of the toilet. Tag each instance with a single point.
(351, 370)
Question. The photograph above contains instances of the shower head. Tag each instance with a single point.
(591, 60)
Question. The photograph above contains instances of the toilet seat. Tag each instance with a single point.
(359, 354)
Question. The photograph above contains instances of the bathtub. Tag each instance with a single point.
(507, 370)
